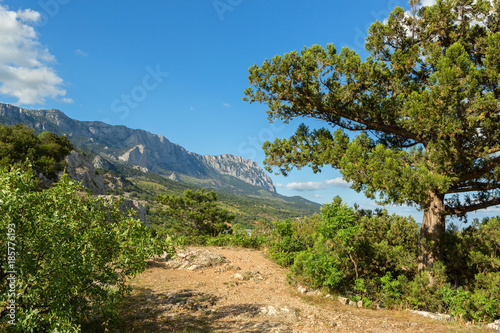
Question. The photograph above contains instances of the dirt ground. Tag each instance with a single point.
(219, 289)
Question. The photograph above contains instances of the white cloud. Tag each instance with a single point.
(25, 71)
(81, 53)
(313, 186)
(428, 2)
(226, 105)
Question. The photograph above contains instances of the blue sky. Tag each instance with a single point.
(176, 68)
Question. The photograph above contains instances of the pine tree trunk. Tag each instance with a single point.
(431, 232)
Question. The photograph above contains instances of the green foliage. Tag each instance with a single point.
(196, 213)
(374, 259)
(353, 251)
(46, 152)
(73, 253)
(392, 289)
(284, 245)
(289, 237)
(329, 262)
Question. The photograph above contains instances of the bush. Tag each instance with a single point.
(72, 254)
(290, 237)
(329, 263)
(352, 246)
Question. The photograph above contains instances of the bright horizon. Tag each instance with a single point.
(179, 69)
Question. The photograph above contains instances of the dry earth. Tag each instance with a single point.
(219, 289)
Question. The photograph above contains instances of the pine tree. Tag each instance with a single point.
(424, 102)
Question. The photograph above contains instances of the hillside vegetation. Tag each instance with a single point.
(248, 207)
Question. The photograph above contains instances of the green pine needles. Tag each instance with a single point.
(195, 213)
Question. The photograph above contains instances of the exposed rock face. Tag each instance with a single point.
(138, 147)
(136, 156)
(80, 169)
(137, 207)
(238, 167)
(101, 163)
(195, 259)
(174, 177)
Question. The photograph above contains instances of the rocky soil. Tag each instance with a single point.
(239, 290)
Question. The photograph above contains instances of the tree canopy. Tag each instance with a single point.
(46, 152)
(425, 104)
(196, 213)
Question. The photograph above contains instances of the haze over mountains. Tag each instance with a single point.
(144, 150)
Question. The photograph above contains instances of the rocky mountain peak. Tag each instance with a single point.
(238, 167)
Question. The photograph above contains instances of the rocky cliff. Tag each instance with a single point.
(238, 167)
(137, 147)
(81, 169)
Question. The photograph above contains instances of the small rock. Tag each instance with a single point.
(360, 304)
(343, 300)
(352, 303)
(302, 289)
(192, 268)
(436, 316)
(494, 325)
(239, 276)
(329, 296)
(269, 310)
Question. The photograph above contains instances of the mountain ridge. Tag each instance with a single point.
(139, 147)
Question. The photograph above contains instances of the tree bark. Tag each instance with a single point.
(431, 232)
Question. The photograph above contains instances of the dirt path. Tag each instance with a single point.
(239, 290)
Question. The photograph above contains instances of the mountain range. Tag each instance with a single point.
(142, 149)
(120, 148)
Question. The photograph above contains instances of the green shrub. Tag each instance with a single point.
(287, 238)
(318, 268)
(351, 247)
(73, 253)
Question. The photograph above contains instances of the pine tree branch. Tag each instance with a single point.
(473, 186)
(471, 208)
(491, 164)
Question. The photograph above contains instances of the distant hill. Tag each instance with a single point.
(137, 162)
